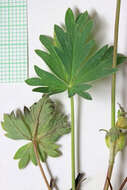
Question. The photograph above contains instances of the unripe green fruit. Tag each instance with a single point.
(120, 142)
(121, 122)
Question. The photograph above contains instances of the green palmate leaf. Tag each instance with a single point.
(73, 59)
(41, 123)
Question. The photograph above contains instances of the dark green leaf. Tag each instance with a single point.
(70, 22)
(93, 61)
(58, 65)
(109, 54)
(50, 80)
(47, 90)
(82, 20)
(76, 89)
(34, 81)
(65, 52)
(73, 57)
(121, 59)
(85, 95)
(42, 90)
(52, 63)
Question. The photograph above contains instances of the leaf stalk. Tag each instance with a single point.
(39, 164)
(36, 150)
(72, 143)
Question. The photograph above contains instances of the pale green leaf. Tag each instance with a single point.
(24, 154)
(24, 161)
(41, 123)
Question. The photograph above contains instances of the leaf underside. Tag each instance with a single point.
(41, 119)
(73, 59)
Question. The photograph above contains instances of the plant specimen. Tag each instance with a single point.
(75, 62)
(41, 125)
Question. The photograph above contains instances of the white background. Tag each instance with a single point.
(91, 115)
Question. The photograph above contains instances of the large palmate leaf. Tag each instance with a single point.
(42, 123)
(73, 58)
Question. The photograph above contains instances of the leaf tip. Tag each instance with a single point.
(69, 10)
(27, 81)
(35, 67)
(37, 51)
(69, 14)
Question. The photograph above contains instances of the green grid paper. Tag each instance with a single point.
(13, 41)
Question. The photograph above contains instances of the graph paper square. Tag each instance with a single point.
(13, 41)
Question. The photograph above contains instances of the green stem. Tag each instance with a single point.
(72, 144)
(115, 63)
(113, 95)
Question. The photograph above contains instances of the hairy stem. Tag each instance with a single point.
(39, 164)
(113, 95)
(72, 144)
